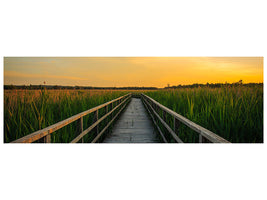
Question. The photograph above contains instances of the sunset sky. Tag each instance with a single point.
(131, 71)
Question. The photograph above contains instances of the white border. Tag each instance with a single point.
(138, 28)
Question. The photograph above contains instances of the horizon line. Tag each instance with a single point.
(131, 86)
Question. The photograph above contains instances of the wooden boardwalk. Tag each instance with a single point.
(133, 126)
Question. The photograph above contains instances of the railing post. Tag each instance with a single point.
(106, 111)
(203, 139)
(176, 125)
(200, 138)
(95, 119)
(111, 109)
(157, 109)
(46, 139)
(164, 115)
(79, 127)
(153, 106)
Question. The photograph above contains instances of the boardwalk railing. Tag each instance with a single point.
(110, 108)
(156, 110)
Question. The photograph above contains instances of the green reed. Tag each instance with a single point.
(234, 113)
(26, 111)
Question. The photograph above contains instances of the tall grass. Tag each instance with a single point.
(235, 113)
(26, 111)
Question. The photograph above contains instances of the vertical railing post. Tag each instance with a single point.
(106, 111)
(153, 106)
(164, 116)
(203, 139)
(176, 125)
(96, 119)
(46, 139)
(112, 109)
(200, 140)
(157, 109)
(80, 127)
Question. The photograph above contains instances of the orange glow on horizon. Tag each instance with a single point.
(131, 71)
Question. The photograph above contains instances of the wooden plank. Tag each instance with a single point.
(50, 129)
(130, 128)
(204, 132)
(134, 124)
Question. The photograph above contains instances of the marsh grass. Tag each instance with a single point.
(26, 111)
(234, 113)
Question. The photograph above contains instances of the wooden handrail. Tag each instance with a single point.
(110, 122)
(50, 129)
(97, 122)
(210, 136)
(154, 121)
(151, 105)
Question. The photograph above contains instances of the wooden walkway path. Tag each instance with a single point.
(133, 126)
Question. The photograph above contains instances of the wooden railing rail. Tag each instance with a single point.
(154, 107)
(45, 133)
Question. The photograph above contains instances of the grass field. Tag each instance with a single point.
(26, 111)
(234, 113)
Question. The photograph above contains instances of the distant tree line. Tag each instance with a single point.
(215, 85)
(56, 87)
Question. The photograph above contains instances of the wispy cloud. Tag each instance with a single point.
(131, 71)
(15, 74)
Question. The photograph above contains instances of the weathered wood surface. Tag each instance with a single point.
(133, 126)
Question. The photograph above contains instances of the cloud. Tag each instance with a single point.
(125, 71)
(15, 74)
